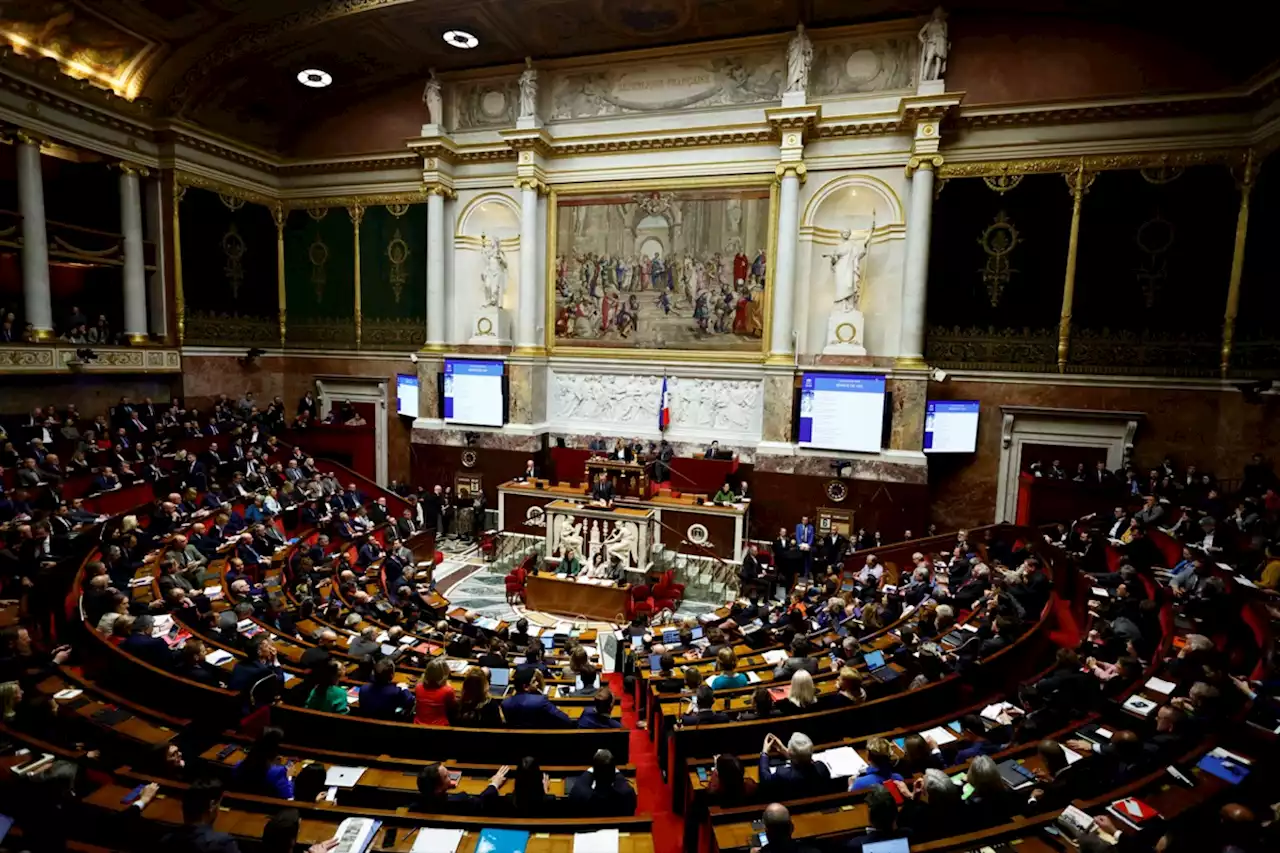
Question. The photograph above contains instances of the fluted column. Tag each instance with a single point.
(135, 278)
(527, 306)
(435, 267)
(1078, 182)
(916, 273)
(1237, 264)
(37, 306)
(782, 324)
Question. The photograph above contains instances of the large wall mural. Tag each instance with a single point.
(662, 269)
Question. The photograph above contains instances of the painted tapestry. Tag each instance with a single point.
(680, 269)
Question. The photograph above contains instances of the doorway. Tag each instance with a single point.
(369, 396)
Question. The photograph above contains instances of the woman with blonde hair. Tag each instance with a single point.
(477, 709)
(803, 698)
(436, 698)
(849, 692)
(10, 696)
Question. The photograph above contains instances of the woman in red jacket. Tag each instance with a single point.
(437, 700)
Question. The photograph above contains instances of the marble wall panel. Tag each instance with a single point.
(906, 430)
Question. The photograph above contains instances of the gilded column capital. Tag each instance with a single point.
(128, 168)
(448, 192)
(923, 161)
(356, 211)
(1078, 182)
(279, 217)
(536, 184)
(179, 193)
(800, 170)
(29, 137)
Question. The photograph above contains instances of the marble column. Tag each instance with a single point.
(135, 278)
(782, 328)
(527, 306)
(37, 308)
(435, 268)
(158, 300)
(916, 273)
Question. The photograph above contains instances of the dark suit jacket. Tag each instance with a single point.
(802, 781)
(200, 838)
(153, 650)
(617, 800)
(533, 711)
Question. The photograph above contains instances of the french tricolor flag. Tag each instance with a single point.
(664, 407)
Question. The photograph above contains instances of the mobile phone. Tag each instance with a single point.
(132, 797)
(455, 775)
(390, 839)
(702, 775)
(225, 752)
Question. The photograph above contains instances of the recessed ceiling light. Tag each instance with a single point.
(315, 78)
(461, 39)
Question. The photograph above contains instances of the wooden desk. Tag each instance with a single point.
(552, 594)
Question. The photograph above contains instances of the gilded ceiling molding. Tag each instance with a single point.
(366, 164)
(695, 139)
(187, 179)
(354, 201)
(1092, 163)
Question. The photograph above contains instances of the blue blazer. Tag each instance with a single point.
(804, 534)
(533, 711)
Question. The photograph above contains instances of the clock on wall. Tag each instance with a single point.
(837, 491)
(469, 459)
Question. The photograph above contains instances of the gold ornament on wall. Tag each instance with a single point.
(318, 254)
(1159, 175)
(397, 210)
(998, 241)
(837, 491)
(397, 253)
(317, 213)
(231, 202)
(233, 249)
(1002, 183)
(1154, 238)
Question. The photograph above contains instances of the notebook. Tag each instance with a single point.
(1015, 775)
(1227, 766)
(431, 840)
(1139, 705)
(502, 841)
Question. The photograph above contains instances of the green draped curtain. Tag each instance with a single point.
(393, 278)
(229, 274)
(320, 278)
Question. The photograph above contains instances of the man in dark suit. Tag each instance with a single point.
(703, 711)
(601, 791)
(262, 665)
(831, 550)
(530, 471)
(801, 776)
(529, 709)
(378, 513)
(778, 831)
(406, 526)
(145, 647)
(382, 698)
(603, 489)
(200, 804)
(368, 553)
(1101, 476)
(798, 660)
(749, 574)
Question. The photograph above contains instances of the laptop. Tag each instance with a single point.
(697, 633)
(548, 643)
(671, 635)
(498, 681)
(877, 668)
(655, 663)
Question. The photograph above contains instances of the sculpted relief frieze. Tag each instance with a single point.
(853, 67)
(630, 403)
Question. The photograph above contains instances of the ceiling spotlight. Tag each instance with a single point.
(315, 78)
(461, 39)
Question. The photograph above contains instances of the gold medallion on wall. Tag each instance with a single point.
(233, 249)
(998, 241)
(397, 253)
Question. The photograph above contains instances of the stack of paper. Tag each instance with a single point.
(218, 657)
(456, 665)
(1159, 685)
(343, 777)
(437, 840)
(940, 735)
(773, 657)
(600, 841)
(993, 712)
(841, 761)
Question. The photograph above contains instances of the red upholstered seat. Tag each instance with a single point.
(640, 603)
(515, 584)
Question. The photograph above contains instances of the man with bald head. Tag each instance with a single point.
(320, 653)
(778, 830)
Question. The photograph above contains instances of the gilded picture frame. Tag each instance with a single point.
(708, 319)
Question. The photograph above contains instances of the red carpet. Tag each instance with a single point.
(653, 795)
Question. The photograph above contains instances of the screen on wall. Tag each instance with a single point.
(407, 395)
(951, 426)
(473, 392)
(842, 411)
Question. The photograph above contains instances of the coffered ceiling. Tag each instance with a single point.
(231, 65)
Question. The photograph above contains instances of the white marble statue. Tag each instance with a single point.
(799, 59)
(847, 267)
(494, 274)
(433, 100)
(571, 536)
(934, 47)
(622, 543)
(528, 90)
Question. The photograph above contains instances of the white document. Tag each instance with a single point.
(69, 693)
(437, 840)
(600, 841)
(1139, 705)
(1159, 685)
(993, 712)
(1105, 734)
(842, 761)
(1071, 755)
(940, 735)
(355, 834)
(218, 658)
(773, 657)
(343, 777)
(1100, 592)
(753, 677)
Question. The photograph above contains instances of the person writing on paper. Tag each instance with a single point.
(601, 791)
(804, 541)
(801, 776)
